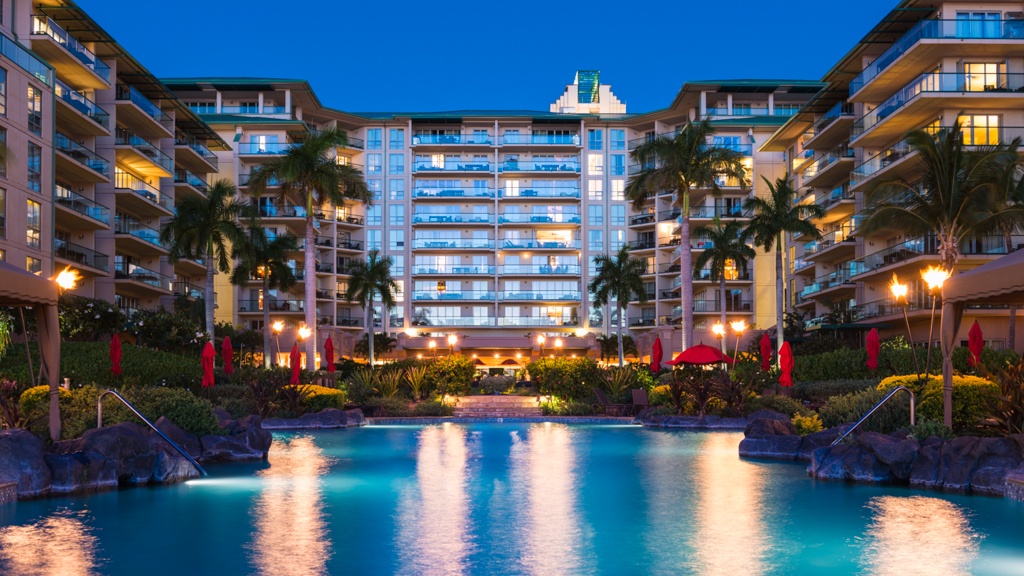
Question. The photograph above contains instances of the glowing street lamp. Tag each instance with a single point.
(900, 291)
(304, 332)
(739, 326)
(67, 279)
(934, 277)
(558, 346)
(276, 328)
(452, 340)
(540, 342)
(433, 345)
(719, 331)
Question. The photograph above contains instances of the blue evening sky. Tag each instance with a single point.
(456, 54)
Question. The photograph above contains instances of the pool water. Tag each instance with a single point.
(488, 499)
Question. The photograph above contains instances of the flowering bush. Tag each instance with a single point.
(88, 319)
(167, 331)
(567, 378)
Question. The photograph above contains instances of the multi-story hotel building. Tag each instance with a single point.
(924, 66)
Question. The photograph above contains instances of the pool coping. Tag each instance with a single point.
(391, 421)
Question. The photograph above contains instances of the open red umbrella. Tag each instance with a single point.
(700, 354)
(329, 355)
(974, 344)
(296, 361)
(656, 353)
(873, 346)
(228, 354)
(766, 352)
(208, 355)
(786, 363)
(115, 355)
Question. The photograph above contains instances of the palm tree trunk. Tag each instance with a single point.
(622, 358)
(266, 321)
(309, 267)
(686, 271)
(369, 331)
(721, 303)
(780, 335)
(1011, 335)
(208, 304)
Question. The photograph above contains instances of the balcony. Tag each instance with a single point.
(462, 321)
(715, 306)
(251, 109)
(425, 192)
(453, 295)
(453, 218)
(838, 278)
(455, 269)
(141, 115)
(26, 60)
(670, 269)
(188, 290)
(738, 110)
(640, 244)
(81, 212)
(537, 321)
(543, 295)
(346, 218)
(993, 245)
(547, 192)
(189, 181)
(718, 211)
(832, 128)
(539, 244)
(193, 152)
(475, 139)
(558, 139)
(78, 162)
(348, 322)
(928, 42)
(704, 275)
(286, 211)
(452, 243)
(81, 257)
(354, 143)
(833, 167)
(828, 248)
(142, 238)
(423, 166)
(672, 214)
(647, 217)
(275, 306)
(642, 322)
(350, 245)
(140, 197)
(141, 280)
(930, 93)
(547, 166)
(558, 218)
(264, 148)
(70, 57)
(141, 155)
(75, 110)
(541, 269)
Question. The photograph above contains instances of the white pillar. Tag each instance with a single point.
(703, 103)
(259, 103)
(728, 104)
(771, 104)
(288, 101)
(219, 102)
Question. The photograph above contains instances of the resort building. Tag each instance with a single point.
(924, 66)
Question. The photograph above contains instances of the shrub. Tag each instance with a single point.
(360, 385)
(556, 407)
(496, 384)
(450, 375)
(34, 407)
(806, 424)
(852, 407)
(416, 377)
(1004, 415)
(389, 383)
(318, 398)
(567, 378)
(660, 396)
(619, 382)
(928, 428)
(835, 365)
(777, 403)
(168, 331)
(389, 406)
(88, 319)
(822, 391)
(435, 408)
(972, 396)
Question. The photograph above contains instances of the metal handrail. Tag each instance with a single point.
(99, 424)
(877, 406)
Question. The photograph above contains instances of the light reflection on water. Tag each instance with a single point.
(58, 545)
(910, 535)
(290, 537)
(433, 515)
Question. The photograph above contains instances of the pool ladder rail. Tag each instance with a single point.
(99, 424)
(877, 406)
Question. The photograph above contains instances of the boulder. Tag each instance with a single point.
(821, 439)
(766, 428)
(81, 471)
(127, 445)
(925, 471)
(768, 415)
(188, 442)
(22, 462)
(827, 463)
(779, 447)
(862, 465)
(989, 480)
(218, 448)
(326, 418)
(222, 416)
(955, 464)
(250, 430)
(169, 467)
(898, 454)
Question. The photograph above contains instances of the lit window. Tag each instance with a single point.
(618, 190)
(595, 189)
(595, 164)
(35, 110)
(33, 223)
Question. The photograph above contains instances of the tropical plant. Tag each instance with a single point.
(620, 381)
(416, 377)
(680, 163)
(372, 279)
(266, 258)
(610, 346)
(1010, 197)
(619, 278)
(389, 383)
(87, 319)
(1005, 413)
(361, 384)
(6, 327)
(774, 215)
(204, 228)
(382, 344)
(728, 248)
(310, 173)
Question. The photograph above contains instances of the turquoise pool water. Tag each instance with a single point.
(512, 499)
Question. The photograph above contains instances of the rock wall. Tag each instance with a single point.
(325, 419)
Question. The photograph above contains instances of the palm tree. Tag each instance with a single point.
(369, 279)
(773, 216)
(204, 229)
(728, 246)
(266, 258)
(311, 173)
(1011, 197)
(619, 278)
(680, 163)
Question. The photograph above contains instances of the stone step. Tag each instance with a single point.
(491, 413)
(499, 404)
(492, 408)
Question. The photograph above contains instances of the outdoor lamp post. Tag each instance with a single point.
(67, 279)
(540, 342)
(452, 340)
(433, 345)
(900, 291)
(558, 346)
(719, 330)
(277, 327)
(934, 277)
(738, 327)
(305, 332)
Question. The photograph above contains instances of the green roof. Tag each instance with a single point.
(238, 119)
(758, 82)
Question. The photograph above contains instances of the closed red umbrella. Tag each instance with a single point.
(228, 354)
(329, 355)
(115, 355)
(873, 346)
(207, 361)
(974, 344)
(766, 352)
(786, 363)
(656, 353)
(700, 354)
(296, 361)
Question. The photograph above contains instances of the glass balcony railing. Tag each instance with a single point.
(126, 181)
(127, 93)
(537, 321)
(834, 196)
(643, 321)
(559, 139)
(436, 192)
(719, 211)
(547, 192)
(196, 146)
(451, 243)
(252, 148)
(79, 102)
(836, 112)
(783, 111)
(841, 152)
(188, 290)
(80, 204)
(731, 305)
(704, 274)
(350, 245)
(252, 109)
(542, 269)
(452, 166)
(672, 214)
(274, 305)
(466, 321)
(959, 29)
(26, 60)
(125, 137)
(80, 254)
(47, 27)
(185, 177)
(476, 139)
(466, 218)
(286, 211)
(353, 142)
(452, 269)
(836, 278)
(243, 180)
(539, 218)
(937, 83)
(537, 244)
(879, 161)
(126, 271)
(646, 244)
(132, 227)
(540, 295)
(453, 295)
(81, 154)
(540, 166)
(645, 217)
(992, 245)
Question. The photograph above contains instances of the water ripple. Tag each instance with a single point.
(58, 545)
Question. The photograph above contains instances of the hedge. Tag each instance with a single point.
(318, 398)
(846, 364)
(567, 378)
(971, 396)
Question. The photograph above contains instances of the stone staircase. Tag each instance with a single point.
(497, 407)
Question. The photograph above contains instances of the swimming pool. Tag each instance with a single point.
(512, 499)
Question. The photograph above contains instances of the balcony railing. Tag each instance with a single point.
(549, 192)
(131, 226)
(81, 154)
(432, 192)
(26, 60)
(81, 204)
(832, 279)
(540, 166)
(274, 305)
(145, 147)
(452, 243)
(836, 112)
(731, 305)
(80, 254)
(196, 146)
(841, 152)
(127, 93)
(719, 211)
(563, 218)
(126, 271)
(704, 274)
(253, 148)
(543, 269)
(570, 139)
(452, 269)
(538, 244)
(468, 218)
(477, 139)
(992, 245)
(537, 321)
(750, 111)
(959, 29)
(47, 27)
(272, 211)
(643, 321)
(558, 295)
(453, 295)
(182, 176)
(350, 245)
(79, 102)
(247, 109)
(640, 244)
(833, 197)
(452, 166)
(672, 214)
(126, 181)
(644, 218)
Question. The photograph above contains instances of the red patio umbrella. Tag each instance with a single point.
(656, 353)
(296, 361)
(873, 346)
(329, 355)
(207, 361)
(786, 363)
(228, 354)
(974, 344)
(700, 354)
(115, 355)
(766, 352)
